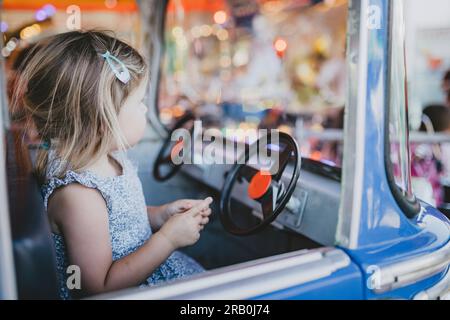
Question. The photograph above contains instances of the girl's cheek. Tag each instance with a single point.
(133, 125)
(135, 130)
(140, 125)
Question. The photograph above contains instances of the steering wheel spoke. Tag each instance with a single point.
(268, 203)
(247, 172)
(283, 161)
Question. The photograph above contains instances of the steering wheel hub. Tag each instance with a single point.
(259, 185)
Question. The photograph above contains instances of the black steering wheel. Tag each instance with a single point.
(164, 158)
(267, 189)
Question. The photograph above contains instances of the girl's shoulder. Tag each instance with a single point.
(55, 180)
(59, 175)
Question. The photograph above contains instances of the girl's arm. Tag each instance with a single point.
(81, 215)
(156, 216)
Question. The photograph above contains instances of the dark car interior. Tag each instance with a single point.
(34, 256)
(318, 188)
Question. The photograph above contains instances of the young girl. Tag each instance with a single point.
(84, 93)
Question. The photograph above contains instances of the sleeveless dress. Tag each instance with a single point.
(129, 227)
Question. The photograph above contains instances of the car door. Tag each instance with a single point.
(325, 273)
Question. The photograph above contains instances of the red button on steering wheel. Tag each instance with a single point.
(259, 184)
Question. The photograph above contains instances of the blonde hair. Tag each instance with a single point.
(72, 97)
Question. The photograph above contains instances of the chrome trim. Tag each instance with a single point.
(247, 280)
(8, 288)
(420, 137)
(440, 291)
(338, 135)
(413, 270)
(153, 14)
(354, 142)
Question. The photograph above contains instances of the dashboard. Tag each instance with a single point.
(313, 208)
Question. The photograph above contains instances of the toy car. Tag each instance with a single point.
(311, 231)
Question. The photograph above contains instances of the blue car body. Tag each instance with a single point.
(386, 236)
(381, 249)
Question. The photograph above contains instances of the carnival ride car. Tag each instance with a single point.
(311, 230)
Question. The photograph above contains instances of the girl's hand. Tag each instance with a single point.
(159, 215)
(179, 206)
(183, 229)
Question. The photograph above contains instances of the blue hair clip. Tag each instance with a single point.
(45, 145)
(123, 75)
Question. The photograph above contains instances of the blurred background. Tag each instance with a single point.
(263, 64)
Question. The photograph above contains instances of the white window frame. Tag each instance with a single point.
(8, 289)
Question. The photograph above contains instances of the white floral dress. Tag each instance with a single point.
(129, 227)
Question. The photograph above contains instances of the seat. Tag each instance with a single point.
(34, 254)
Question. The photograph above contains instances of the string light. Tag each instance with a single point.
(3, 26)
(222, 34)
(45, 12)
(220, 17)
(49, 9)
(280, 46)
(110, 4)
(206, 30)
(40, 15)
(177, 32)
(30, 31)
(5, 52)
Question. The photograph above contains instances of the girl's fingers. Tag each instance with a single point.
(200, 207)
(185, 206)
(188, 204)
(198, 219)
(206, 213)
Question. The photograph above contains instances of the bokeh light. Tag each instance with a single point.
(220, 17)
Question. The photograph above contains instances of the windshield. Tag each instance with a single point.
(258, 64)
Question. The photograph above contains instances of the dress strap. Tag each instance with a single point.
(85, 178)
